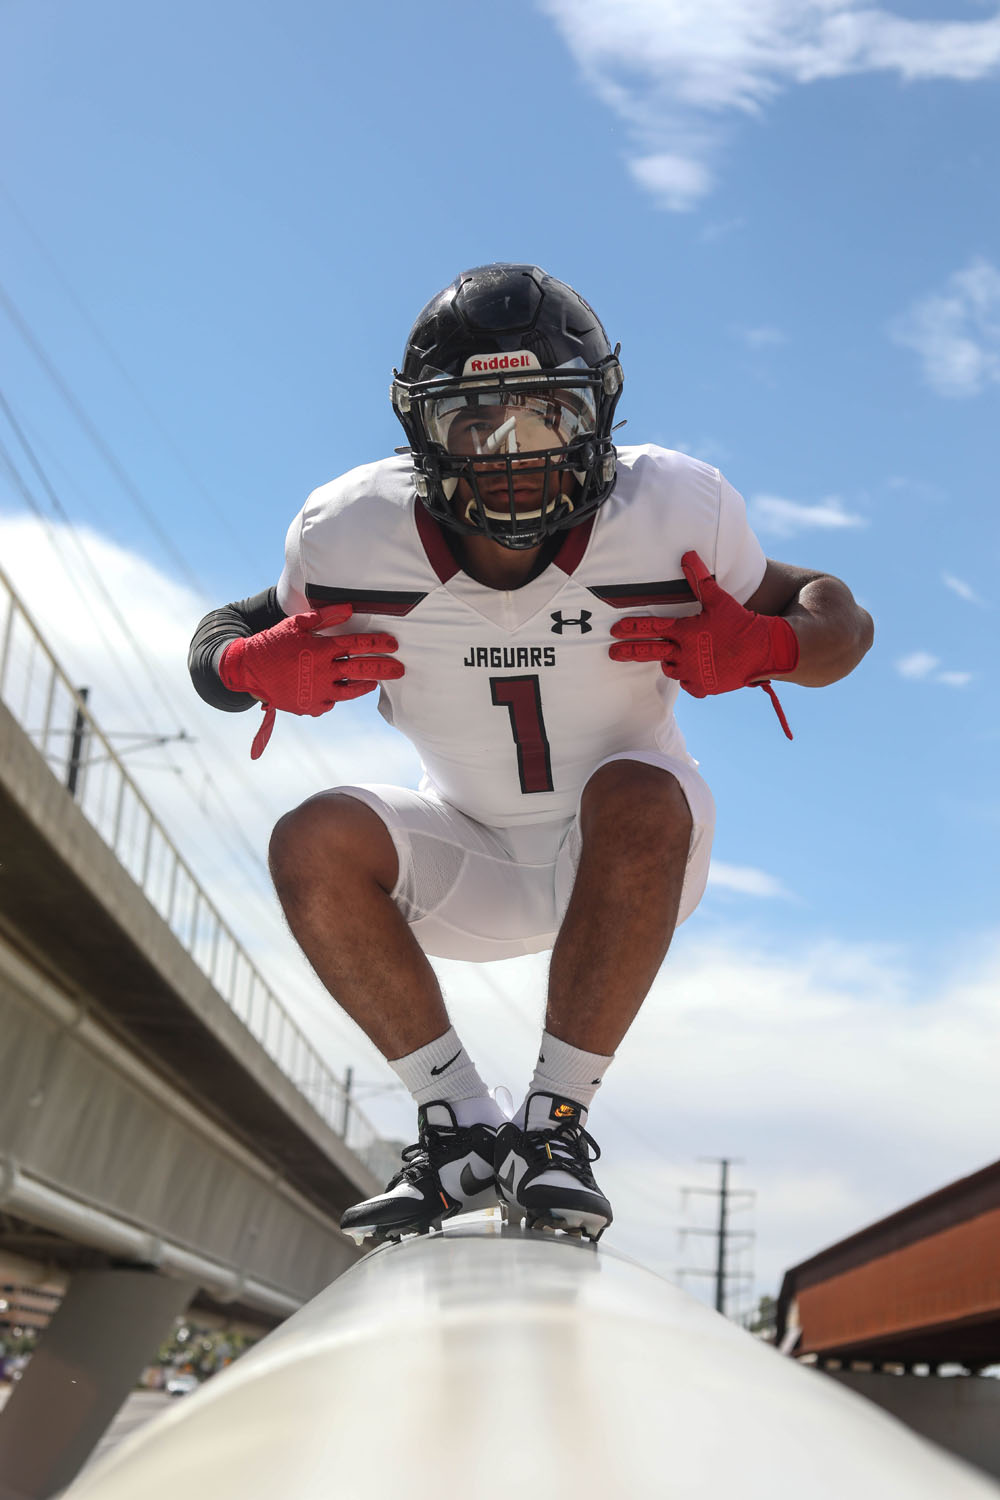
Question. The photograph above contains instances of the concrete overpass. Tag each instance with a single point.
(162, 1115)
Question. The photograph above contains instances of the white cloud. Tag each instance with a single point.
(918, 664)
(962, 589)
(746, 880)
(922, 666)
(956, 332)
(770, 513)
(808, 1062)
(677, 180)
(676, 71)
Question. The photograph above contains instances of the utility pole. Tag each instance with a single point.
(76, 742)
(348, 1087)
(720, 1263)
(723, 1235)
(80, 735)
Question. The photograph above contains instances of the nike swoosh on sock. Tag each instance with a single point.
(443, 1068)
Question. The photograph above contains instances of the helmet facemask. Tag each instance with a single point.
(512, 457)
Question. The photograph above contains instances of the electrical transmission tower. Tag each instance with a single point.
(723, 1234)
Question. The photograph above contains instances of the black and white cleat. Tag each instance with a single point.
(543, 1171)
(448, 1170)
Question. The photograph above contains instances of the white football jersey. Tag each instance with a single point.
(510, 697)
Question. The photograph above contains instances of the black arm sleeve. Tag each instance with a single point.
(245, 617)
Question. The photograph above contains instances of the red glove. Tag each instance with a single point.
(723, 648)
(292, 668)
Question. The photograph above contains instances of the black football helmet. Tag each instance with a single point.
(510, 384)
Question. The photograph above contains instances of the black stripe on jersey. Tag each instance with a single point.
(365, 601)
(633, 595)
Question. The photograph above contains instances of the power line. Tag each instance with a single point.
(50, 532)
(302, 745)
(159, 691)
(302, 749)
(127, 484)
(129, 380)
(119, 619)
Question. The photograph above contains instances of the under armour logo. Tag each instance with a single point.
(560, 623)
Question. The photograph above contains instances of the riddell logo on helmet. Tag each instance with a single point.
(483, 364)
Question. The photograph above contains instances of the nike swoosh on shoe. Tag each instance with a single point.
(508, 1180)
(471, 1184)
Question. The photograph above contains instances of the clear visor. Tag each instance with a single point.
(491, 421)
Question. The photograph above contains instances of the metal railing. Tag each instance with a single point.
(59, 723)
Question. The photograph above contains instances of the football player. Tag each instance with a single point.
(528, 600)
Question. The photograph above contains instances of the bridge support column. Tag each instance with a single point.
(106, 1330)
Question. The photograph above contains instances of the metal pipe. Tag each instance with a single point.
(484, 1361)
(49, 1208)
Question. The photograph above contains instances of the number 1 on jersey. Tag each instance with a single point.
(522, 698)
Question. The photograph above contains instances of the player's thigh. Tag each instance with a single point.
(466, 890)
(702, 805)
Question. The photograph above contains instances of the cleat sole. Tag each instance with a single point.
(591, 1227)
(370, 1236)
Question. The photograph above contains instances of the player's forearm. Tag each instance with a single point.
(833, 631)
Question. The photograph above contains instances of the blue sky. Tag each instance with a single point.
(219, 221)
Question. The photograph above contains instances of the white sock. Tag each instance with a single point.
(569, 1071)
(443, 1070)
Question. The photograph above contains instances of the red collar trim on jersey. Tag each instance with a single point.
(438, 552)
(441, 559)
(570, 554)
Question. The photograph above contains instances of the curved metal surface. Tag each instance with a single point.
(481, 1360)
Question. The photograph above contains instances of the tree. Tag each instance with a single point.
(763, 1321)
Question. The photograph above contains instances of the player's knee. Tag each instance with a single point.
(331, 836)
(643, 803)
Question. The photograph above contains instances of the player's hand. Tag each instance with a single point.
(292, 668)
(725, 647)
